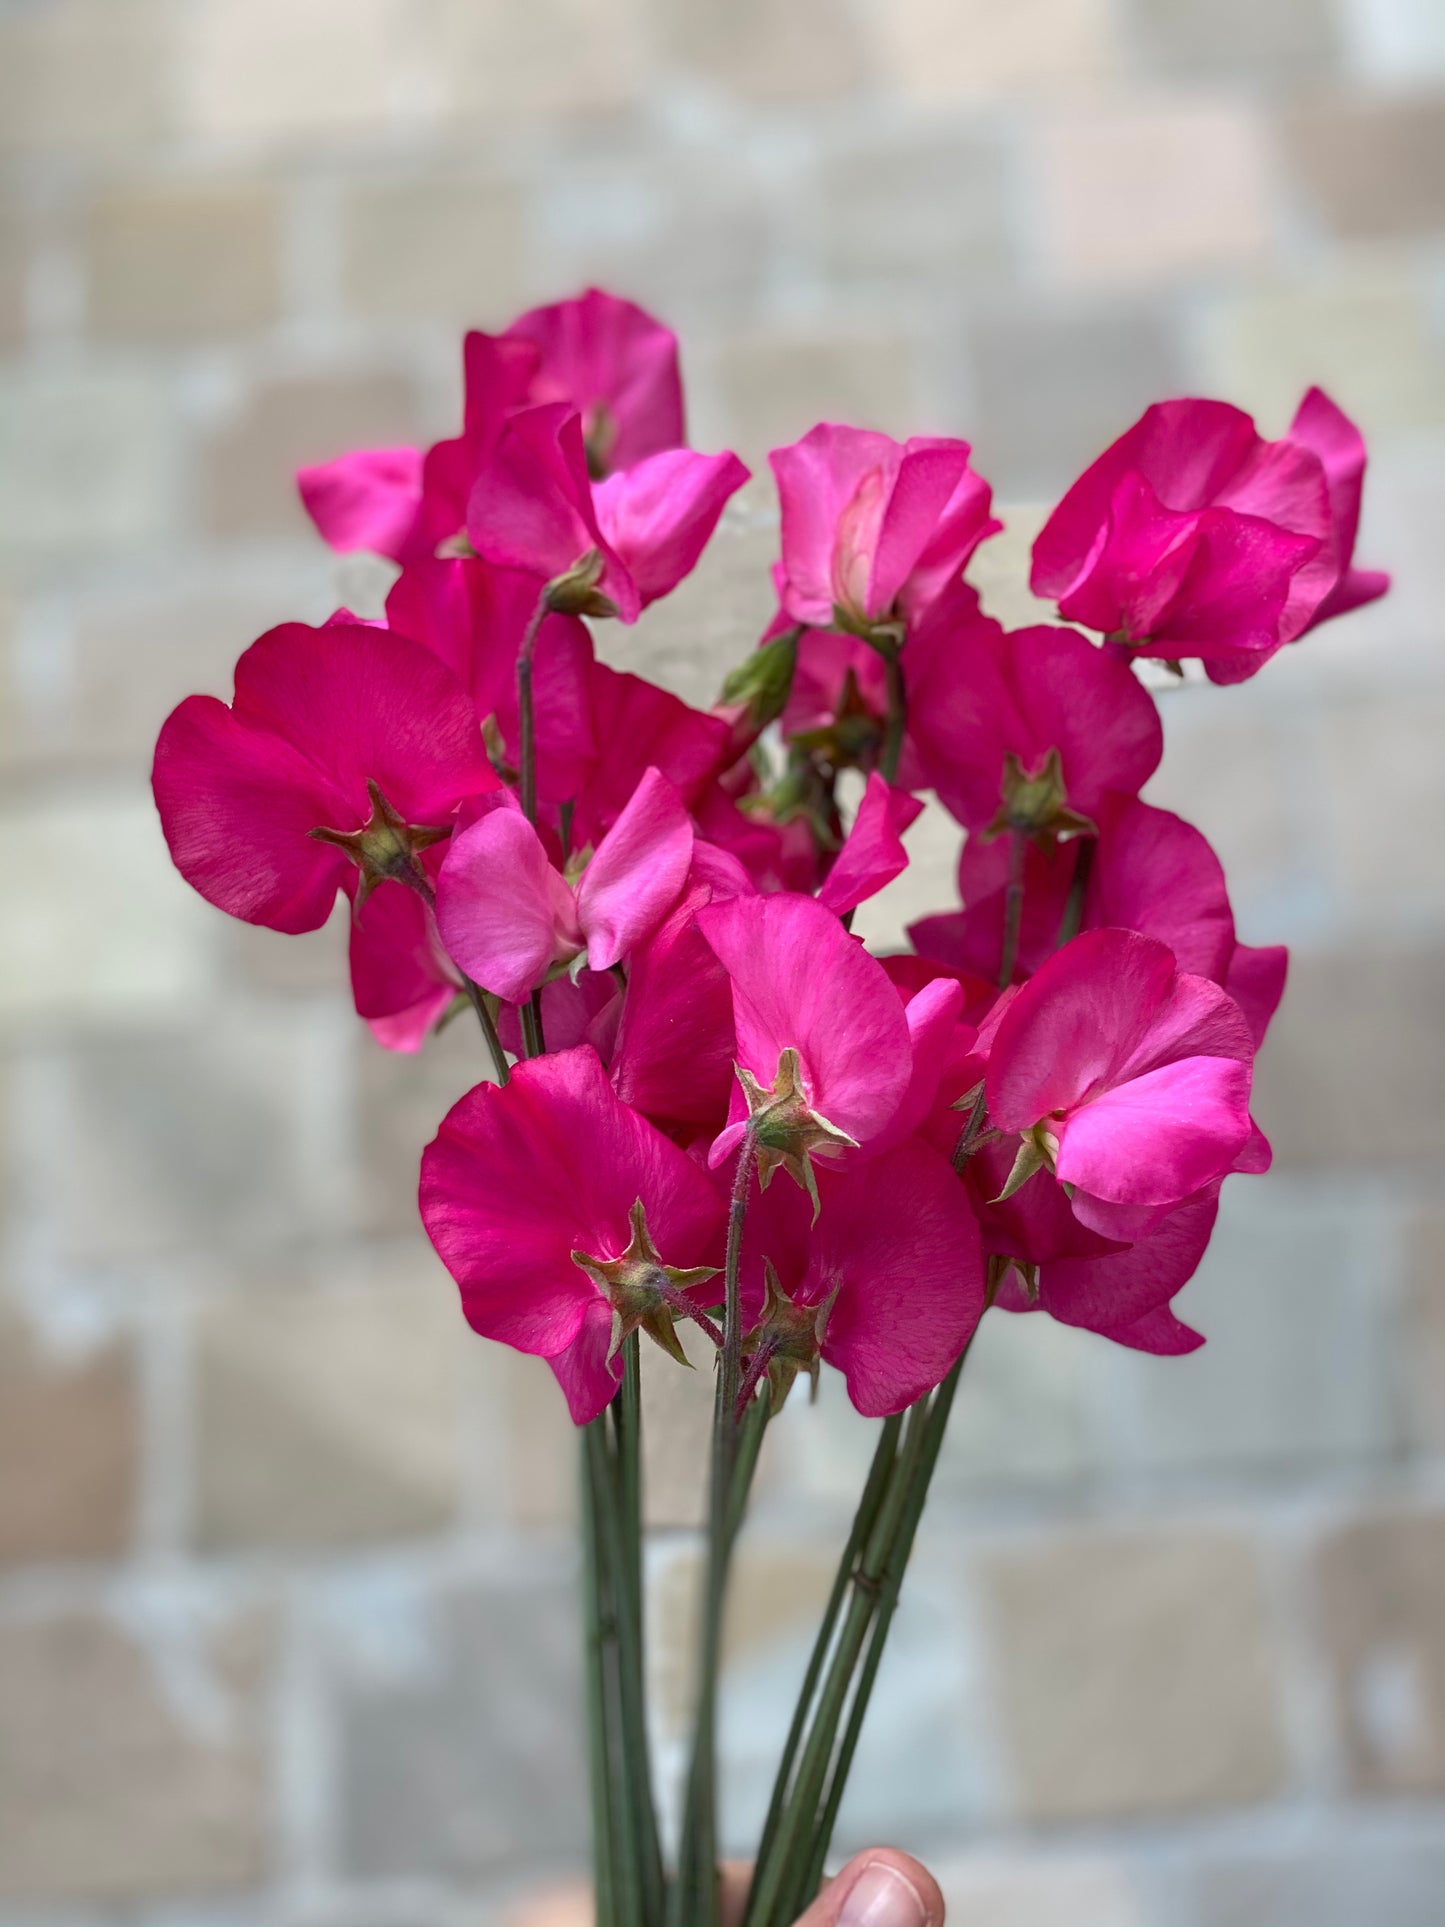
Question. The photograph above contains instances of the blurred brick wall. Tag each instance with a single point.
(285, 1613)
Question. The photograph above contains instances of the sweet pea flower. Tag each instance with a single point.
(604, 550)
(1126, 1079)
(886, 1286)
(825, 1049)
(1193, 536)
(873, 529)
(636, 726)
(837, 707)
(1025, 729)
(345, 749)
(509, 918)
(568, 1221)
(617, 366)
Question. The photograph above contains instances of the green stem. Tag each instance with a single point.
(526, 720)
(530, 1013)
(489, 1029)
(1078, 888)
(637, 1755)
(937, 1425)
(862, 1526)
(1013, 906)
(626, 1859)
(897, 719)
(597, 1635)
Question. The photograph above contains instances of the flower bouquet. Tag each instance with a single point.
(700, 1099)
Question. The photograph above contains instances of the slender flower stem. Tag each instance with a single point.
(637, 1758)
(937, 1425)
(597, 1636)
(863, 1519)
(1078, 888)
(526, 720)
(679, 1302)
(897, 719)
(534, 1043)
(1013, 906)
(489, 1029)
(603, 1496)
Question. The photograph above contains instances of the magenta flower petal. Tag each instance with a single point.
(617, 366)
(522, 1175)
(659, 515)
(801, 982)
(637, 873)
(505, 915)
(1160, 1136)
(872, 853)
(636, 725)
(366, 500)
(317, 713)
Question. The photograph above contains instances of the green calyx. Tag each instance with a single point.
(642, 1289)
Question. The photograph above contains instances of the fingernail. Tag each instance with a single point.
(881, 1896)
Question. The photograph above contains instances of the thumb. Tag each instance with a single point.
(878, 1888)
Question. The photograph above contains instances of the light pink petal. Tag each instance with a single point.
(637, 873)
(801, 982)
(365, 500)
(1159, 1137)
(504, 913)
(521, 1175)
(932, 1015)
(659, 515)
(927, 478)
(818, 478)
(873, 853)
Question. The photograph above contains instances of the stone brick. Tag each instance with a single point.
(677, 1432)
(1382, 1618)
(1135, 1673)
(183, 261)
(154, 955)
(1053, 387)
(1323, 1883)
(924, 211)
(1230, 40)
(1295, 1374)
(263, 69)
(529, 1472)
(1395, 41)
(693, 242)
(271, 960)
(441, 248)
(89, 456)
(1361, 329)
(773, 388)
(1149, 194)
(559, 61)
(1382, 766)
(1423, 1344)
(944, 50)
(67, 1448)
(129, 1774)
(231, 1136)
(772, 50)
(401, 1100)
(1371, 166)
(992, 1889)
(327, 1410)
(1372, 1097)
(248, 466)
(14, 272)
(78, 75)
(1020, 1421)
(459, 1727)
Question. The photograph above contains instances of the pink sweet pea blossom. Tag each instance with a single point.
(604, 551)
(1127, 1079)
(873, 529)
(1320, 425)
(509, 918)
(635, 726)
(872, 854)
(838, 704)
(887, 1286)
(616, 366)
(346, 730)
(1193, 536)
(824, 1052)
(567, 1220)
(1027, 728)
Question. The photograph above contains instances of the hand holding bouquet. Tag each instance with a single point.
(702, 1100)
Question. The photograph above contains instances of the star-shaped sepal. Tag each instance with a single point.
(787, 1130)
(575, 592)
(386, 848)
(1000, 1264)
(642, 1290)
(1036, 803)
(788, 1338)
(1038, 1151)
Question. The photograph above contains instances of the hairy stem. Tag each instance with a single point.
(1013, 906)
(526, 719)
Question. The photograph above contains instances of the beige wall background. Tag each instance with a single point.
(286, 1633)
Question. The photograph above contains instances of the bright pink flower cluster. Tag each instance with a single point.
(649, 906)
